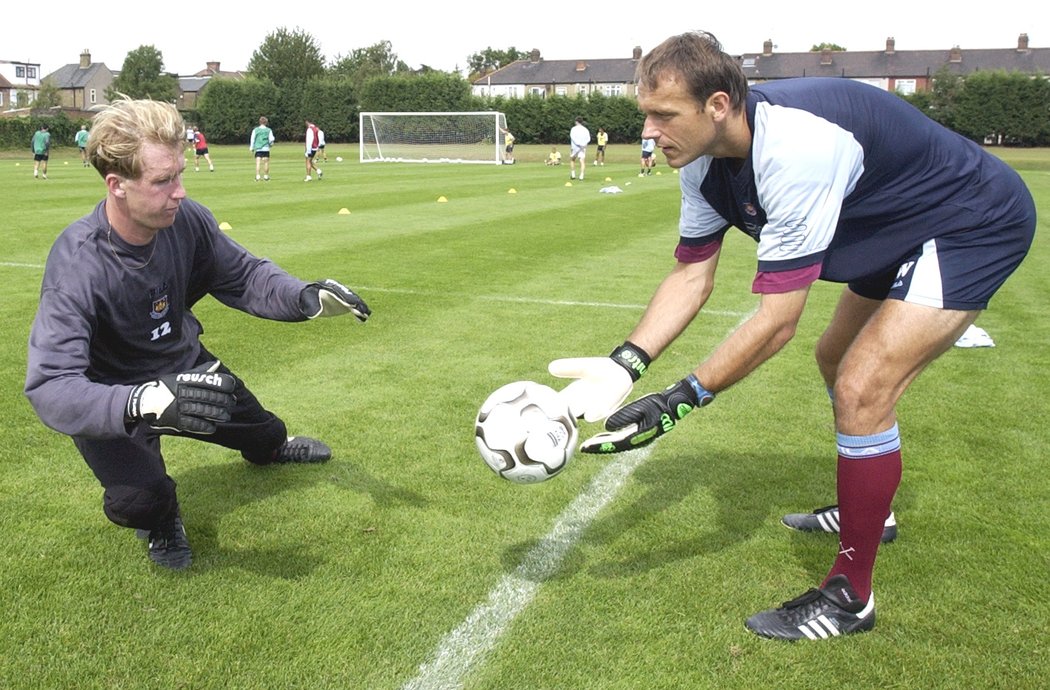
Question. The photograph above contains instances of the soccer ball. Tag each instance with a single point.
(525, 432)
(338, 159)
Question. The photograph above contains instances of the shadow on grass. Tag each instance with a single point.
(210, 493)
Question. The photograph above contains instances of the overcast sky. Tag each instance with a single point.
(442, 34)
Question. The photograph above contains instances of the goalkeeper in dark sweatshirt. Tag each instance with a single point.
(115, 358)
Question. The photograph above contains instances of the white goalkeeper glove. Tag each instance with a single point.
(602, 383)
(330, 298)
(192, 401)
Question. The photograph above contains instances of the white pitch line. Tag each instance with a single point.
(17, 265)
(464, 647)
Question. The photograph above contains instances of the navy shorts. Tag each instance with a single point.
(961, 270)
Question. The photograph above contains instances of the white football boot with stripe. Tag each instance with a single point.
(818, 614)
(826, 519)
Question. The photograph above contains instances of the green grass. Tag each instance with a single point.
(349, 575)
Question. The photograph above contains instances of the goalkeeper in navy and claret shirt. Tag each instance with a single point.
(115, 357)
(835, 180)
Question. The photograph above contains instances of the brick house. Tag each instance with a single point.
(18, 84)
(82, 85)
(904, 71)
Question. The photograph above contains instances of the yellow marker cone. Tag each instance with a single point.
(568, 184)
(659, 173)
(512, 191)
(65, 163)
(442, 200)
(225, 226)
(344, 212)
(608, 179)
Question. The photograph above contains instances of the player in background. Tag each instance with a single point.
(321, 152)
(835, 180)
(603, 139)
(579, 137)
(41, 145)
(200, 150)
(80, 139)
(259, 144)
(508, 146)
(115, 358)
(648, 147)
(554, 157)
(313, 140)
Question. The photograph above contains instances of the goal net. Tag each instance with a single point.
(432, 137)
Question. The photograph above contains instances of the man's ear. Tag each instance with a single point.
(718, 105)
(115, 185)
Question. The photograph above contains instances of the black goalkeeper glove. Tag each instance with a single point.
(330, 298)
(192, 401)
(648, 418)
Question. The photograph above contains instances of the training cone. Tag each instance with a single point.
(512, 191)
(225, 226)
(442, 200)
(568, 184)
(344, 212)
(608, 179)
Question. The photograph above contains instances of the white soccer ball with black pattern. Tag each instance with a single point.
(525, 432)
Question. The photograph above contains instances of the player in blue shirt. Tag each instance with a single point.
(115, 357)
(834, 180)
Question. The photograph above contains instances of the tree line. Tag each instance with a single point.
(289, 81)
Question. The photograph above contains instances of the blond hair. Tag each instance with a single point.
(119, 131)
(697, 58)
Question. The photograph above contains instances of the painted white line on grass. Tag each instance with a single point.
(534, 300)
(466, 646)
(17, 265)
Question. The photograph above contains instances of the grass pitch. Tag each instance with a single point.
(406, 563)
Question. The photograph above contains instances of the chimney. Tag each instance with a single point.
(825, 56)
(581, 66)
(955, 54)
(534, 56)
(1022, 43)
(891, 46)
(85, 59)
(767, 47)
(213, 67)
(636, 54)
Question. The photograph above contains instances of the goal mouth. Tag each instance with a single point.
(432, 137)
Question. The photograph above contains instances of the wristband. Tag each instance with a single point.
(703, 396)
(632, 358)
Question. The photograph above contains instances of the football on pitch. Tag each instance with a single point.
(525, 432)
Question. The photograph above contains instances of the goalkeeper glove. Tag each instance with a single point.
(329, 298)
(602, 383)
(191, 401)
(648, 418)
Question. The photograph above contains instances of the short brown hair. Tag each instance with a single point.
(119, 131)
(697, 57)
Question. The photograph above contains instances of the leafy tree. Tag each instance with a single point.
(944, 96)
(362, 64)
(433, 91)
(492, 59)
(331, 102)
(47, 96)
(143, 76)
(230, 108)
(287, 57)
(819, 47)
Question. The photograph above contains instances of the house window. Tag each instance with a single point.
(20, 71)
(613, 89)
(537, 91)
(1, 98)
(906, 87)
(560, 91)
(31, 72)
(93, 97)
(583, 89)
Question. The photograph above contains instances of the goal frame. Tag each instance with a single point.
(366, 129)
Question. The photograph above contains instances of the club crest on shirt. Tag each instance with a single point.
(750, 209)
(159, 303)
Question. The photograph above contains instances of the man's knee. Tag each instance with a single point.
(138, 506)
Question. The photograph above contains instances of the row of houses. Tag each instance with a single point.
(903, 71)
(83, 84)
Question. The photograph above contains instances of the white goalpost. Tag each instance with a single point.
(467, 137)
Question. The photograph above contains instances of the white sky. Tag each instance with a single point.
(442, 34)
